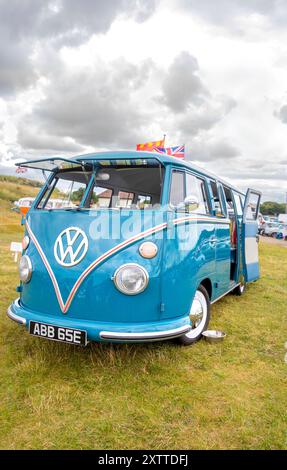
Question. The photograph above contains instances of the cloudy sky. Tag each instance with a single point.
(78, 76)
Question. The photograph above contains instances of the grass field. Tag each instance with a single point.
(158, 396)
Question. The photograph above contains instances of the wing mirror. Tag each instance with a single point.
(191, 203)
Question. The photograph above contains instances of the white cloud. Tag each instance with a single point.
(210, 74)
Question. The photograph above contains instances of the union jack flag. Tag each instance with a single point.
(177, 151)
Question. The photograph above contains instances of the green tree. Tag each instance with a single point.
(77, 195)
(272, 208)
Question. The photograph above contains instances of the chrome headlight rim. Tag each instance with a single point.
(121, 288)
(29, 267)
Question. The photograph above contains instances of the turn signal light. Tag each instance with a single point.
(148, 250)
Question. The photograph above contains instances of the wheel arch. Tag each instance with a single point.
(207, 284)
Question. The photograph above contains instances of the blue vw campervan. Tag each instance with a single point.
(132, 246)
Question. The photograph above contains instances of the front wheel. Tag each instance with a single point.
(199, 317)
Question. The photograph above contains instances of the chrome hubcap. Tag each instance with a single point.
(197, 315)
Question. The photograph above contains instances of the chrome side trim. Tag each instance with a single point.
(148, 336)
(13, 315)
(225, 293)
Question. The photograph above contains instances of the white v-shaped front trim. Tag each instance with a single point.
(66, 305)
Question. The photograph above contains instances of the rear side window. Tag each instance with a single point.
(216, 199)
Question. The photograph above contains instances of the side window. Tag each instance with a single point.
(177, 188)
(238, 204)
(203, 194)
(101, 198)
(229, 201)
(252, 209)
(124, 199)
(143, 201)
(195, 186)
(217, 202)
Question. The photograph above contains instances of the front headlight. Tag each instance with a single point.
(131, 279)
(25, 268)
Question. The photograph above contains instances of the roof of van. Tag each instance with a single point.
(165, 159)
(125, 155)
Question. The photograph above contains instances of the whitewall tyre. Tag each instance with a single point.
(199, 317)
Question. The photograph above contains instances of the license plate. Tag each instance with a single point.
(58, 333)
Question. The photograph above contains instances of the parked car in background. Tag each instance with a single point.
(282, 232)
(270, 229)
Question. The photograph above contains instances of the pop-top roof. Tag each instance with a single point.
(56, 163)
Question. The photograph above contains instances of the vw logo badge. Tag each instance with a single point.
(71, 246)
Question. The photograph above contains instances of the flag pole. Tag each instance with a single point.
(164, 136)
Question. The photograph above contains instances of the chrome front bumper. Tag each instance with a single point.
(15, 317)
(152, 336)
(101, 332)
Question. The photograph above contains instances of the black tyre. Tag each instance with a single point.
(240, 289)
(199, 316)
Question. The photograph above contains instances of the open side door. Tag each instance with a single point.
(250, 235)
